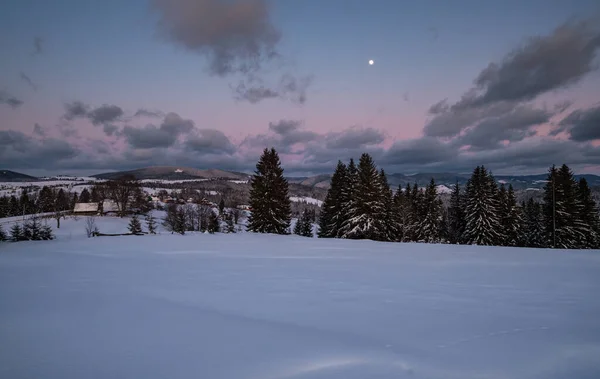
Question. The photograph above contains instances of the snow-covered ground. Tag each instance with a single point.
(305, 199)
(261, 307)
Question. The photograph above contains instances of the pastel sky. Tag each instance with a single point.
(92, 86)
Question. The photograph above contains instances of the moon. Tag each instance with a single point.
(371, 62)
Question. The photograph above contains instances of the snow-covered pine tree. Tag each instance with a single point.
(151, 223)
(348, 202)
(16, 233)
(399, 209)
(390, 226)
(588, 216)
(32, 229)
(443, 228)
(213, 223)
(303, 226)
(416, 215)
(367, 215)
(429, 227)
(332, 209)
(482, 219)
(3, 236)
(456, 215)
(221, 206)
(534, 224)
(135, 226)
(561, 209)
(46, 232)
(229, 222)
(513, 223)
(269, 197)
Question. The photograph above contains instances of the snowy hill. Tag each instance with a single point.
(285, 307)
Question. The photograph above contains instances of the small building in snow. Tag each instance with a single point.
(109, 206)
(89, 209)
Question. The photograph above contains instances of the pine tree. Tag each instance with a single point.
(429, 227)
(32, 229)
(229, 221)
(85, 196)
(456, 216)
(150, 223)
(443, 230)
(46, 200)
(303, 226)
(399, 209)
(367, 215)
(331, 217)
(213, 223)
(180, 224)
(416, 214)
(390, 226)
(588, 216)
(513, 220)
(16, 233)
(3, 236)
(561, 210)
(482, 220)
(269, 197)
(348, 198)
(221, 206)
(135, 227)
(46, 232)
(534, 225)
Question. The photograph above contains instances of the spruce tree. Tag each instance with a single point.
(16, 233)
(214, 225)
(482, 220)
(221, 206)
(303, 226)
(85, 196)
(443, 230)
(3, 236)
(332, 211)
(367, 215)
(561, 210)
(269, 197)
(46, 232)
(32, 229)
(180, 222)
(348, 199)
(513, 221)
(229, 222)
(135, 227)
(150, 223)
(390, 225)
(399, 209)
(534, 225)
(45, 200)
(456, 215)
(588, 216)
(416, 215)
(429, 227)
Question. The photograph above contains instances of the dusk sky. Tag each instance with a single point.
(93, 86)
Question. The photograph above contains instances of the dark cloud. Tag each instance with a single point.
(10, 100)
(285, 134)
(353, 138)
(513, 126)
(18, 150)
(105, 113)
(37, 45)
(284, 126)
(38, 130)
(164, 135)
(289, 88)
(74, 110)
(582, 124)
(421, 151)
(540, 65)
(235, 36)
(148, 113)
(209, 141)
(439, 107)
(110, 129)
(28, 81)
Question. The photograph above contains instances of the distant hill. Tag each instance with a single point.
(175, 173)
(11, 176)
(519, 182)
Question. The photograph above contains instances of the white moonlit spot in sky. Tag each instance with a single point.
(371, 62)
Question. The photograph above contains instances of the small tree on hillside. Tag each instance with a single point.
(3, 236)
(213, 223)
(16, 233)
(456, 215)
(85, 196)
(151, 223)
(303, 226)
(229, 222)
(269, 197)
(221, 206)
(46, 232)
(135, 226)
(332, 209)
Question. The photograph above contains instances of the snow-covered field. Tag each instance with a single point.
(261, 307)
(305, 199)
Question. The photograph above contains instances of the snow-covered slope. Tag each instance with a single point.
(264, 307)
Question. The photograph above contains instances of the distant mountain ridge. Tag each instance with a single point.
(12, 176)
(175, 173)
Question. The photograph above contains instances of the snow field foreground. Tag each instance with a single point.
(261, 307)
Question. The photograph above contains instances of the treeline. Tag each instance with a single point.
(46, 200)
(361, 205)
(30, 230)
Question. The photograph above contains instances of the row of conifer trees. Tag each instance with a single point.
(361, 205)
